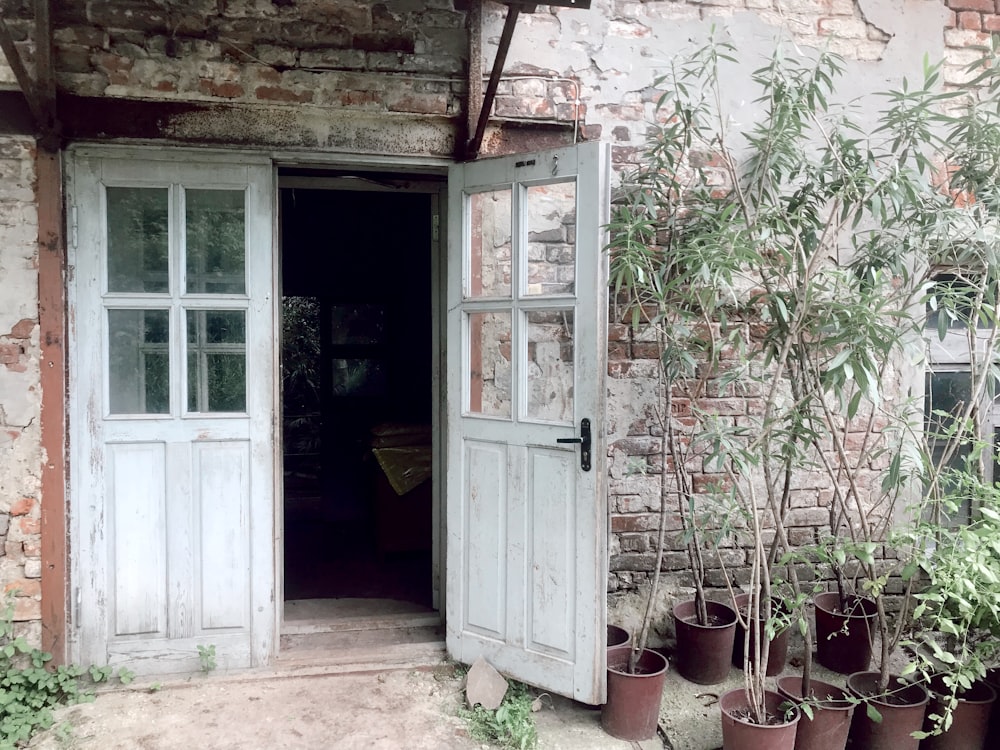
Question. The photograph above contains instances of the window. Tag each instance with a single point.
(957, 401)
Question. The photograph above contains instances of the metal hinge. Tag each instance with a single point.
(77, 598)
(72, 226)
(436, 227)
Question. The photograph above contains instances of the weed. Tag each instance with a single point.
(30, 687)
(206, 655)
(511, 725)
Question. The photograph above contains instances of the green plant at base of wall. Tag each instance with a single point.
(511, 725)
(30, 687)
(206, 656)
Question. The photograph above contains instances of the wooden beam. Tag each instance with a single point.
(52, 335)
(474, 76)
(472, 150)
(45, 78)
(21, 74)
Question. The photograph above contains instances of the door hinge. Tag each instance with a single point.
(77, 598)
(72, 226)
(436, 227)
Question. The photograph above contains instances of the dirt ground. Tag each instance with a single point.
(397, 708)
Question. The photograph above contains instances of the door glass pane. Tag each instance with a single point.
(489, 364)
(489, 262)
(216, 239)
(216, 341)
(551, 219)
(137, 240)
(550, 365)
(139, 361)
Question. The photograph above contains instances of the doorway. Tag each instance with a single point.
(357, 354)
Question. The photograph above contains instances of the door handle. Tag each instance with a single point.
(584, 441)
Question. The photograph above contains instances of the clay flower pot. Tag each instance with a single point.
(618, 636)
(633, 708)
(970, 719)
(832, 711)
(901, 709)
(844, 636)
(704, 652)
(777, 653)
(740, 733)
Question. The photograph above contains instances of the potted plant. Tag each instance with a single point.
(794, 268)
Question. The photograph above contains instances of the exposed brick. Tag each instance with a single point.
(991, 23)
(224, 90)
(279, 94)
(970, 20)
(22, 506)
(23, 587)
(987, 6)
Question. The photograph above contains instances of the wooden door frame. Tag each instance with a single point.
(56, 228)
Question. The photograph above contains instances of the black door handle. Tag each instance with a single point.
(584, 441)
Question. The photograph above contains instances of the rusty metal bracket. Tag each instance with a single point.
(472, 148)
(514, 9)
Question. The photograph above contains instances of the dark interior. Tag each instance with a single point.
(356, 375)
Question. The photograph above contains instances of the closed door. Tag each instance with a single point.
(172, 403)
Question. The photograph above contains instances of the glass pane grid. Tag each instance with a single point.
(216, 361)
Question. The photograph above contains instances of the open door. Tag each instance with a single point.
(527, 343)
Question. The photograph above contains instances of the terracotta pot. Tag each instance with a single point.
(993, 732)
(777, 653)
(970, 719)
(633, 708)
(704, 652)
(739, 733)
(618, 636)
(831, 714)
(902, 712)
(844, 638)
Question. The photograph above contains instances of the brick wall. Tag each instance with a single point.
(592, 72)
(20, 447)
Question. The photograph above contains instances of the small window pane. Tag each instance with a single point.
(489, 364)
(216, 239)
(489, 264)
(139, 365)
(137, 240)
(552, 239)
(946, 397)
(550, 365)
(216, 360)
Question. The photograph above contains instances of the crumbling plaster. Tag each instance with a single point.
(618, 50)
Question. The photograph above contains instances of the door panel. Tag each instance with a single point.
(527, 337)
(172, 472)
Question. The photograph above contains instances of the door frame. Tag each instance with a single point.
(352, 179)
(351, 167)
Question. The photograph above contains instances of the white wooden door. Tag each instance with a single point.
(526, 352)
(172, 401)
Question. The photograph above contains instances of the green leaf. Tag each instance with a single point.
(873, 713)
